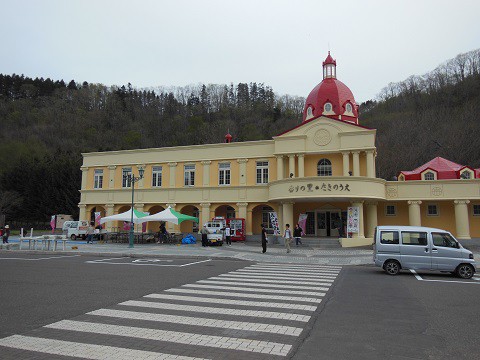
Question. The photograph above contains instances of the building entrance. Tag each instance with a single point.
(326, 223)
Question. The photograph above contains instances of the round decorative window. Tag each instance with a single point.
(349, 107)
(309, 111)
(327, 107)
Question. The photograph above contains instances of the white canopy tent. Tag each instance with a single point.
(125, 216)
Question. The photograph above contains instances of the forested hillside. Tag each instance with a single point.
(45, 125)
(437, 114)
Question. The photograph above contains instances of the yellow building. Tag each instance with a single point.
(321, 167)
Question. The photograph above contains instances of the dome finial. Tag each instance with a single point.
(329, 67)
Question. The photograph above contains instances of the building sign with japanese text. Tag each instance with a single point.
(323, 187)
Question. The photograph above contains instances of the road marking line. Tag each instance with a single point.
(293, 271)
(445, 281)
(48, 258)
(253, 284)
(249, 289)
(82, 350)
(197, 262)
(252, 276)
(220, 342)
(272, 281)
(248, 295)
(216, 310)
(262, 304)
(200, 321)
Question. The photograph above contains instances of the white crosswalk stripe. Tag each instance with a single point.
(262, 304)
(216, 310)
(249, 296)
(279, 277)
(260, 309)
(85, 351)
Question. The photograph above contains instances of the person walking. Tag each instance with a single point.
(1, 233)
(204, 233)
(288, 237)
(297, 234)
(6, 234)
(228, 237)
(264, 239)
(90, 231)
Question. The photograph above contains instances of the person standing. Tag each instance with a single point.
(297, 234)
(6, 234)
(90, 231)
(288, 237)
(264, 239)
(204, 233)
(228, 238)
(1, 233)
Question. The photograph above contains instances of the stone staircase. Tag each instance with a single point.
(315, 242)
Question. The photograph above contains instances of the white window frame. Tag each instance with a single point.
(98, 179)
(157, 176)
(471, 174)
(430, 174)
(262, 171)
(327, 104)
(189, 174)
(224, 173)
(324, 169)
(126, 177)
(437, 210)
(394, 210)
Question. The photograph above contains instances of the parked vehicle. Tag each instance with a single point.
(216, 234)
(421, 248)
(77, 229)
(67, 224)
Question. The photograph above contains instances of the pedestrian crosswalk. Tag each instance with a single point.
(257, 312)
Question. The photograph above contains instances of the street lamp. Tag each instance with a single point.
(133, 179)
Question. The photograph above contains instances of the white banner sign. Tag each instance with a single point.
(274, 221)
(353, 218)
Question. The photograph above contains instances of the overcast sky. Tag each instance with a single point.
(280, 43)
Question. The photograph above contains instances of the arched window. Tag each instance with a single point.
(324, 168)
(429, 176)
(466, 175)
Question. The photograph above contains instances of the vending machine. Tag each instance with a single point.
(237, 229)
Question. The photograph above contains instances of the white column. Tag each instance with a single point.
(414, 216)
(205, 214)
(370, 164)
(461, 219)
(301, 165)
(111, 176)
(243, 171)
(291, 165)
(356, 163)
(84, 177)
(83, 212)
(346, 163)
(280, 170)
(173, 168)
(109, 224)
(287, 209)
(206, 172)
(372, 218)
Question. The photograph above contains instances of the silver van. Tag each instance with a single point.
(421, 248)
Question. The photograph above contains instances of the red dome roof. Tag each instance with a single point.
(332, 91)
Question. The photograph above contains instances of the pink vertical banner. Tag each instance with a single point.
(53, 222)
(98, 216)
(126, 225)
(144, 225)
(302, 222)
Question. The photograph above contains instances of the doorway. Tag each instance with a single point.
(327, 222)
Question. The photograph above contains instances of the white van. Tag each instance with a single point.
(216, 234)
(421, 248)
(77, 229)
(66, 225)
